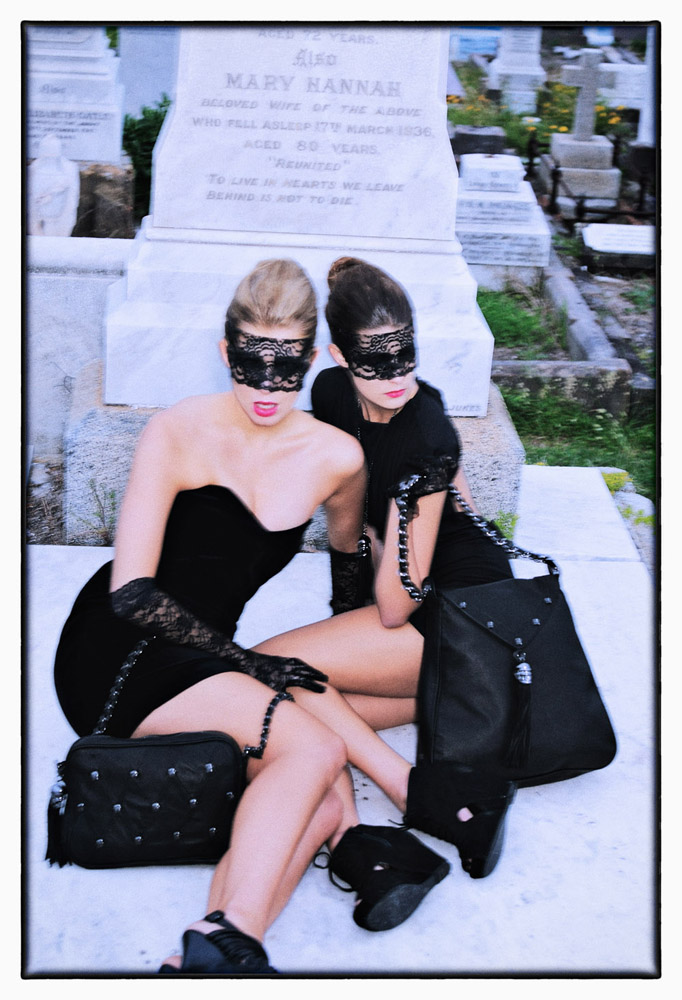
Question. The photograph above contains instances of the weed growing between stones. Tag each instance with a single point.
(557, 431)
(519, 319)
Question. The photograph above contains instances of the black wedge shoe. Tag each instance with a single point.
(389, 870)
(221, 952)
(437, 792)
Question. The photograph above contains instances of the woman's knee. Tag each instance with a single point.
(323, 749)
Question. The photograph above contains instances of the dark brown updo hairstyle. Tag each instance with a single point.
(362, 297)
(276, 293)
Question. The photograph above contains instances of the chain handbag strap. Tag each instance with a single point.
(403, 502)
(128, 664)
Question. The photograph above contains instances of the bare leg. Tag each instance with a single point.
(301, 764)
(383, 713)
(365, 749)
(357, 653)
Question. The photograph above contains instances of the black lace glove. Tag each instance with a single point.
(143, 603)
(352, 577)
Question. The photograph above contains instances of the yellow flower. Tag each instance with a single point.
(532, 128)
(600, 107)
(614, 120)
(563, 128)
(621, 107)
(552, 126)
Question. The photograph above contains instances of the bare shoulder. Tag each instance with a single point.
(171, 429)
(339, 447)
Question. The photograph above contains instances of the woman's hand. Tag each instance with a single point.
(280, 672)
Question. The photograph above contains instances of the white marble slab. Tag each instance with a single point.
(326, 129)
(164, 320)
(73, 92)
(491, 172)
(569, 514)
(522, 243)
(618, 239)
(574, 893)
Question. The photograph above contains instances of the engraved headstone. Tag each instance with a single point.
(73, 92)
(517, 71)
(620, 247)
(585, 159)
(305, 131)
(499, 221)
(53, 187)
(309, 143)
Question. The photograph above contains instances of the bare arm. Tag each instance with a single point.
(155, 480)
(394, 603)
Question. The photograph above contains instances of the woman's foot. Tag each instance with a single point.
(465, 807)
(219, 952)
(389, 869)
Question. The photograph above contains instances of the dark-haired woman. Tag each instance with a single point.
(221, 490)
(373, 653)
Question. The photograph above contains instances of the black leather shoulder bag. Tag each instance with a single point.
(505, 683)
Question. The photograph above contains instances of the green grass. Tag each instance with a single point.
(556, 431)
(642, 294)
(519, 318)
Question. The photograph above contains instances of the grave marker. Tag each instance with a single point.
(301, 143)
(73, 92)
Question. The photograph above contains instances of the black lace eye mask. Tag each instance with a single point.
(268, 363)
(383, 355)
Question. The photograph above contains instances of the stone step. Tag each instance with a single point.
(574, 893)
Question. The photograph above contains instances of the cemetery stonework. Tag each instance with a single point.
(73, 92)
(302, 143)
(499, 222)
(585, 159)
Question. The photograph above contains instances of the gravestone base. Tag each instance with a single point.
(100, 440)
(619, 247)
(601, 187)
(524, 244)
(499, 221)
(478, 139)
(595, 153)
(165, 318)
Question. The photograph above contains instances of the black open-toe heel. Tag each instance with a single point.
(389, 870)
(221, 952)
(437, 793)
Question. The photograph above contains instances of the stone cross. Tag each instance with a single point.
(589, 76)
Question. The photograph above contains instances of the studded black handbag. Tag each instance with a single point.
(505, 684)
(153, 800)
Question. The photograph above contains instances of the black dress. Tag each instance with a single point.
(419, 438)
(215, 556)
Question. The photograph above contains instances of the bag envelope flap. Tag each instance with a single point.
(508, 609)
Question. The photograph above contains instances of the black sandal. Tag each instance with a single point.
(221, 952)
(389, 869)
(437, 792)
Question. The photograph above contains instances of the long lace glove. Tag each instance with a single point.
(141, 602)
(352, 577)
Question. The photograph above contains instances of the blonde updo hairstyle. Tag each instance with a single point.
(362, 297)
(276, 293)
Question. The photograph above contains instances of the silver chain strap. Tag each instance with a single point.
(403, 502)
(128, 664)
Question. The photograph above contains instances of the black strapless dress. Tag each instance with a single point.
(216, 555)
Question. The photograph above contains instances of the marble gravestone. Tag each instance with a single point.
(303, 143)
(517, 71)
(499, 222)
(73, 92)
(585, 159)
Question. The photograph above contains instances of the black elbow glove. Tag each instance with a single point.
(352, 577)
(140, 601)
